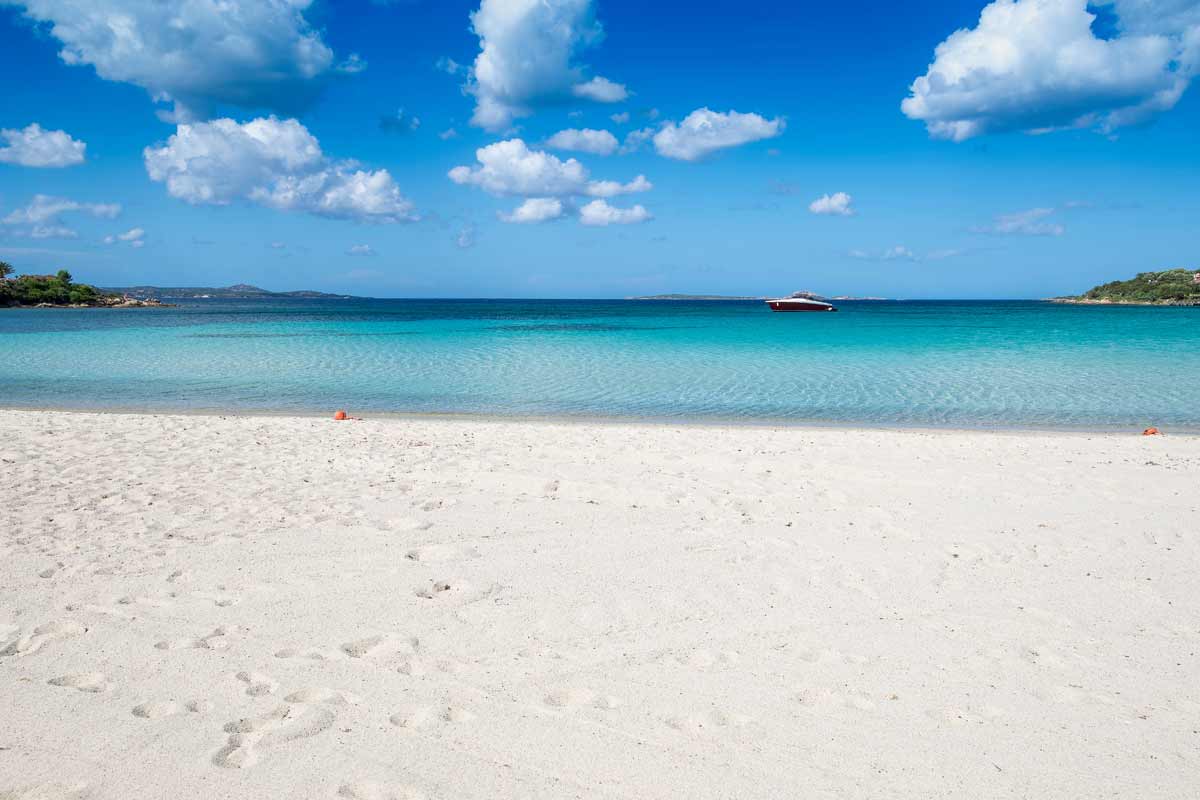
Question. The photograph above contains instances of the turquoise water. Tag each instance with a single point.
(920, 363)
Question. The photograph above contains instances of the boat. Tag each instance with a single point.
(800, 301)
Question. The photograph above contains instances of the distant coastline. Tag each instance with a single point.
(240, 291)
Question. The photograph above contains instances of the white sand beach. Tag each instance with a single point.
(254, 607)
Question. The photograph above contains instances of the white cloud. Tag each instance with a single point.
(536, 209)
(1037, 66)
(901, 253)
(703, 132)
(275, 163)
(601, 143)
(465, 238)
(44, 212)
(448, 134)
(195, 53)
(599, 212)
(527, 48)
(614, 188)
(278, 245)
(1024, 223)
(135, 237)
(548, 184)
(836, 204)
(620, 118)
(635, 139)
(360, 250)
(52, 232)
(399, 123)
(34, 146)
(510, 168)
(601, 90)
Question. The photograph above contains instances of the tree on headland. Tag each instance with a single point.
(58, 289)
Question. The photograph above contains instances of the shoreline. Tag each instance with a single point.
(733, 423)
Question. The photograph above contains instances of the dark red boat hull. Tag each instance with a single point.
(799, 307)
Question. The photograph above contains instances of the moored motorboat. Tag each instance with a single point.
(800, 301)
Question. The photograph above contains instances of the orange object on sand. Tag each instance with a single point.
(340, 415)
(1151, 432)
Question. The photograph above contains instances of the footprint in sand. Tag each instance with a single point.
(83, 681)
(377, 645)
(49, 791)
(424, 716)
(369, 790)
(432, 553)
(312, 653)
(322, 694)
(575, 697)
(219, 639)
(249, 737)
(219, 600)
(30, 643)
(156, 709)
(257, 684)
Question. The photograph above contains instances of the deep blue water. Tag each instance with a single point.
(924, 363)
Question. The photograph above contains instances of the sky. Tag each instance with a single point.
(601, 148)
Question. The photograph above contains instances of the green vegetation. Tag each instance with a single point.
(1169, 287)
(59, 289)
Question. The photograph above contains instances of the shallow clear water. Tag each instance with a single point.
(922, 363)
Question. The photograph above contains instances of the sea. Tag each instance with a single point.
(1012, 364)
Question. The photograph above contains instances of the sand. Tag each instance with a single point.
(254, 607)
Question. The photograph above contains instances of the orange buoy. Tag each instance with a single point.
(1151, 432)
(340, 415)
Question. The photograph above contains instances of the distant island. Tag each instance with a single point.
(60, 291)
(240, 291)
(1172, 287)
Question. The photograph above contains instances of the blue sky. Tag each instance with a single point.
(421, 148)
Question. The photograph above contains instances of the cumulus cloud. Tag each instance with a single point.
(620, 118)
(587, 140)
(34, 146)
(548, 184)
(197, 54)
(614, 188)
(536, 209)
(360, 250)
(600, 213)
(1024, 223)
(602, 90)
(635, 139)
(134, 237)
(704, 132)
(526, 59)
(43, 216)
(274, 163)
(836, 204)
(1037, 66)
(510, 168)
(448, 134)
